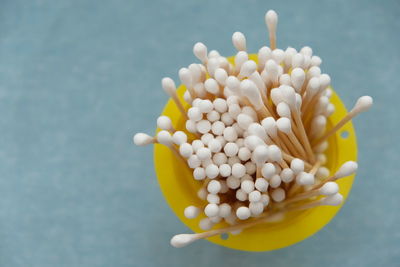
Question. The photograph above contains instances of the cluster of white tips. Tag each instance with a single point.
(255, 131)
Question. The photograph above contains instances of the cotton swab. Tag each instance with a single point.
(170, 88)
(239, 41)
(345, 170)
(271, 20)
(200, 51)
(250, 90)
(362, 105)
(142, 139)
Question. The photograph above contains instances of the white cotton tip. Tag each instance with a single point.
(241, 195)
(200, 51)
(233, 182)
(318, 125)
(329, 110)
(321, 147)
(169, 86)
(203, 126)
(260, 155)
(297, 166)
(202, 193)
(218, 128)
(348, 168)
(333, 200)
(271, 68)
(165, 138)
(278, 195)
(220, 105)
(313, 86)
(233, 84)
(142, 139)
(261, 185)
(191, 212)
(289, 53)
(285, 79)
(276, 96)
(187, 97)
(219, 158)
(215, 219)
(214, 54)
(263, 55)
(363, 104)
(234, 110)
(213, 116)
(182, 240)
(191, 126)
(203, 153)
(199, 173)
(197, 144)
(250, 168)
(197, 73)
(230, 134)
(258, 130)
(274, 153)
(256, 208)
(315, 61)
(240, 58)
(211, 210)
(239, 41)
(271, 20)
(289, 95)
(164, 123)
(252, 141)
(297, 77)
(206, 138)
(247, 186)
(265, 199)
(225, 170)
(214, 187)
(231, 149)
(238, 170)
(186, 77)
(297, 60)
(278, 55)
(244, 121)
(313, 72)
(306, 50)
(233, 160)
(251, 112)
(304, 178)
(194, 161)
(214, 146)
(244, 154)
(243, 213)
(322, 173)
(284, 125)
(287, 175)
(205, 224)
(255, 196)
(224, 210)
(329, 188)
(322, 158)
(205, 106)
(227, 119)
(196, 102)
(325, 81)
(194, 114)
(275, 181)
(221, 75)
(250, 90)
(269, 125)
(212, 171)
(299, 101)
(247, 68)
(211, 86)
(283, 110)
(179, 138)
(221, 139)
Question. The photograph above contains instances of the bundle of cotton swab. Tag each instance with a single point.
(255, 134)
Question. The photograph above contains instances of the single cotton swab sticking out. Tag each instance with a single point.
(169, 87)
(362, 104)
(239, 41)
(271, 20)
(142, 139)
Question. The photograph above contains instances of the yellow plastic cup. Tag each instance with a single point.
(180, 189)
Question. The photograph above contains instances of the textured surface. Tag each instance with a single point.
(78, 78)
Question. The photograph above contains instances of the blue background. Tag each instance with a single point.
(79, 78)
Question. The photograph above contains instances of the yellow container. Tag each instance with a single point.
(180, 190)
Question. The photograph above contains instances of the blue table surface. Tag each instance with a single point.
(79, 78)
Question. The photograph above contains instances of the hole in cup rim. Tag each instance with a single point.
(344, 134)
(224, 236)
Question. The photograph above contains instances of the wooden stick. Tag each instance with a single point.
(303, 135)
